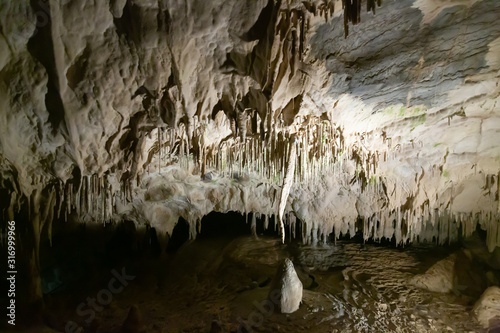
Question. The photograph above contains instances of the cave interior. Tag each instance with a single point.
(173, 165)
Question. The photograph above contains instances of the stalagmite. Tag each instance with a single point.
(286, 288)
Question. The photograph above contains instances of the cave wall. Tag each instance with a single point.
(152, 110)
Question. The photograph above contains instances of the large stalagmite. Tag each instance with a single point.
(286, 289)
(148, 111)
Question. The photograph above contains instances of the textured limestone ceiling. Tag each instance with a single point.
(397, 121)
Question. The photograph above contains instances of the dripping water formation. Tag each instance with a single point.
(250, 166)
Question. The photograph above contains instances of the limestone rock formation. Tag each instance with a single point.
(487, 308)
(460, 273)
(115, 110)
(286, 288)
(439, 278)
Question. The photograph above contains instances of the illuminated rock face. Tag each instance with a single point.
(398, 123)
(487, 307)
(286, 289)
(439, 278)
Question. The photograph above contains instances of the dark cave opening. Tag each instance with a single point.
(180, 235)
(235, 224)
(230, 224)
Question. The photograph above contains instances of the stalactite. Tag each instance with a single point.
(102, 203)
(233, 127)
(321, 148)
(292, 221)
(287, 184)
(159, 150)
(88, 194)
(254, 226)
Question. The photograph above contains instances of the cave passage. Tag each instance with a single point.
(216, 279)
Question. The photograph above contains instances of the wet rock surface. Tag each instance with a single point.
(399, 119)
(487, 309)
(219, 284)
(438, 278)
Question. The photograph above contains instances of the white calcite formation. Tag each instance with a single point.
(487, 308)
(121, 109)
(286, 288)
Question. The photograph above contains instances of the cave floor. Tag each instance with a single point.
(348, 287)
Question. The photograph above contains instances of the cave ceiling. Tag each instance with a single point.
(154, 110)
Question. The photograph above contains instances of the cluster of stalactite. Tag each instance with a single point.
(94, 199)
(434, 221)
(352, 11)
(431, 225)
(320, 145)
(320, 150)
(291, 30)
